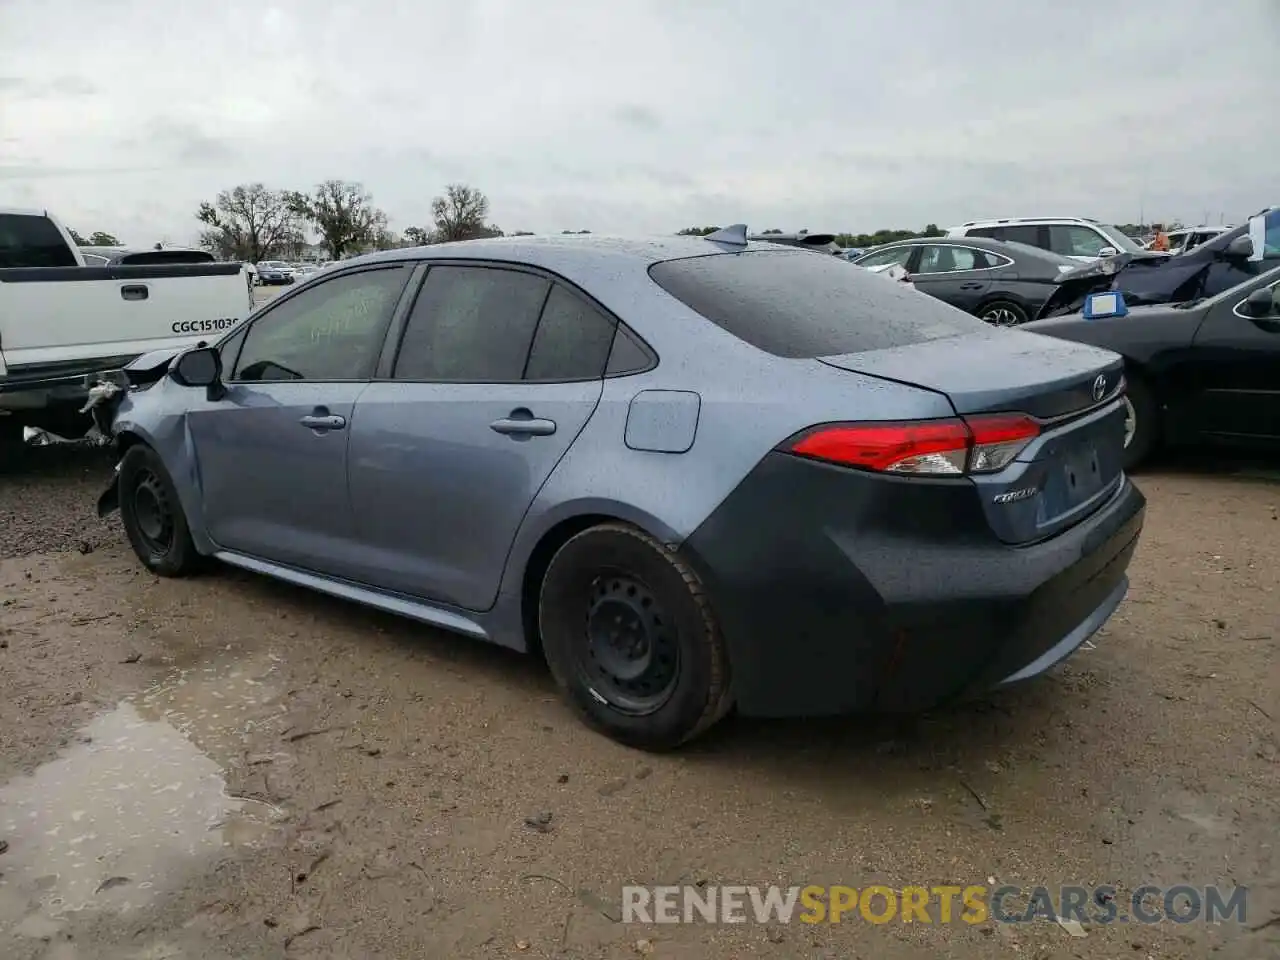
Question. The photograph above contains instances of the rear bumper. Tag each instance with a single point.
(39, 386)
(842, 592)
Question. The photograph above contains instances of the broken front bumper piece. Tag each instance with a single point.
(103, 388)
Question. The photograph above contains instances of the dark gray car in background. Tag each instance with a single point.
(1001, 282)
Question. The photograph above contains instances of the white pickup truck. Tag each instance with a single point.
(62, 321)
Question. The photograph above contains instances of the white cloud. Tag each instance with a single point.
(642, 115)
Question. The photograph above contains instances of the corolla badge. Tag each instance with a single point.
(1013, 496)
(1100, 387)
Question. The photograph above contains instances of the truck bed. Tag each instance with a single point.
(63, 320)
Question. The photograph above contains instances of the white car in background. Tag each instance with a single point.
(1188, 238)
(1076, 237)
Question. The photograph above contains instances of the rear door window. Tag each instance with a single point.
(473, 325)
(798, 305)
(33, 241)
(1028, 234)
(943, 258)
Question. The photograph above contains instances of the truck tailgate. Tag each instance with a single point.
(55, 315)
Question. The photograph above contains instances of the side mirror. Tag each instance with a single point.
(1108, 252)
(1241, 247)
(201, 367)
(1260, 303)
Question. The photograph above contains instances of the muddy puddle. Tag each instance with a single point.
(136, 802)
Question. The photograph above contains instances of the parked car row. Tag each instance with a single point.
(283, 273)
(1199, 329)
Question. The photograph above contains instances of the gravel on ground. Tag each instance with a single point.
(378, 789)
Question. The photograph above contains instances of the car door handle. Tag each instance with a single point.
(521, 423)
(134, 291)
(317, 422)
(971, 286)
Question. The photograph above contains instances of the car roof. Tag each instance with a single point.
(560, 254)
(997, 222)
(114, 252)
(24, 212)
(1008, 247)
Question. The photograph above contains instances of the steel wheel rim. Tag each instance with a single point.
(1001, 317)
(152, 512)
(1130, 422)
(628, 653)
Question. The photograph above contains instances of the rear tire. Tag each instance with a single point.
(152, 515)
(1002, 313)
(1142, 423)
(631, 639)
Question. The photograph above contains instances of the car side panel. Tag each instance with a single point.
(741, 419)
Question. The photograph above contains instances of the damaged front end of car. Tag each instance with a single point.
(108, 394)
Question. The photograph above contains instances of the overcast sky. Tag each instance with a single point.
(628, 116)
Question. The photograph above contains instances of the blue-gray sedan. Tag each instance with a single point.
(692, 473)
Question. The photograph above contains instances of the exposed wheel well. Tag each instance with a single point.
(127, 440)
(536, 569)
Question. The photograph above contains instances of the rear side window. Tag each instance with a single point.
(798, 305)
(27, 241)
(1030, 235)
(572, 342)
(472, 324)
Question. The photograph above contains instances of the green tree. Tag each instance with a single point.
(250, 223)
(886, 235)
(100, 238)
(696, 231)
(417, 236)
(342, 213)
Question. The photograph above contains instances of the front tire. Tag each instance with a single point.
(152, 515)
(1002, 313)
(631, 639)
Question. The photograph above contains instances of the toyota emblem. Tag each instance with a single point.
(1100, 387)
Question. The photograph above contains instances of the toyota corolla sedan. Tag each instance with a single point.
(692, 473)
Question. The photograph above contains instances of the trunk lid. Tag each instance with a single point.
(1073, 466)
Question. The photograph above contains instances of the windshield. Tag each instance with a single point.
(1123, 243)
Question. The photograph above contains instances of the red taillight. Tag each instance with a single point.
(981, 444)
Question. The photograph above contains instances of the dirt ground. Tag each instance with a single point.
(227, 767)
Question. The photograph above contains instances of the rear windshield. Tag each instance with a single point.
(32, 241)
(166, 256)
(795, 304)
